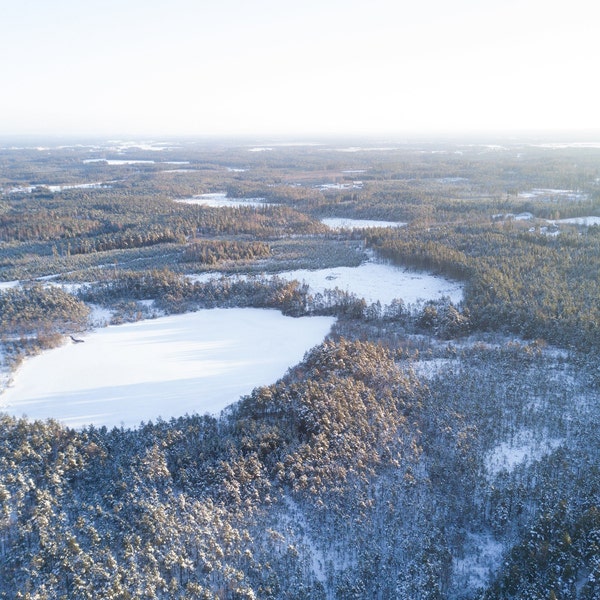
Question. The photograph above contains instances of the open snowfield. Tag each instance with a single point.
(379, 282)
(372, 281)
(220, 200)
(586, 221)
(193, 363)
(57, 188)
(334, 223)
(118, 162)
(548, 193)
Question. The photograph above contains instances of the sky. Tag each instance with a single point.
(258, 67)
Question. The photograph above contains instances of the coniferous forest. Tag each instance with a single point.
(429, 450)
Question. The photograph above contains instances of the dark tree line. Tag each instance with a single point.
(522, 282)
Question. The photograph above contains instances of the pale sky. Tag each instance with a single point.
(206, 67)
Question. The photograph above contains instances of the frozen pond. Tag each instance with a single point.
(192, 363)
(220, 200)
(334, 223)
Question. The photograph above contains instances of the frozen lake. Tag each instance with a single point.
(196, 362)
(192, 363)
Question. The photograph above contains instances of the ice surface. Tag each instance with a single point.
(193, 363)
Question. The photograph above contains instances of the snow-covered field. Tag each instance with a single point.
(118, 162)
(57, 188)
(220, 200)
(548, 193)
(372, 281)
(193, 363)
(586, 221)
(334, 223)
(379, 281)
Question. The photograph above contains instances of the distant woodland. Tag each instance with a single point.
(438, 451)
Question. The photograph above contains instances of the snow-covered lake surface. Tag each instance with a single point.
(193, 363)
(335, 223)
(220, 200)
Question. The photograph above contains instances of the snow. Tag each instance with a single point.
(317, 558)
(431, 368)
(548, 232)
(340, 186)
(563, 145)
(119, 162)
(99, 316)
(587, 221)
(474, 570)
(57, 188)
(366, 149)
(379, 282)
(6, 285)
(220, 200)
(125, 145)
(193, 363)
(522, 448)
(4, 370)
(546, 193)
(372, 281)
(452, 179)
(335, 223)
(524, 216)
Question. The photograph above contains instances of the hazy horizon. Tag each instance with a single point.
(138, 140)
(233, 68)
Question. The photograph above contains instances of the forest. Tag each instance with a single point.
(435, 450)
